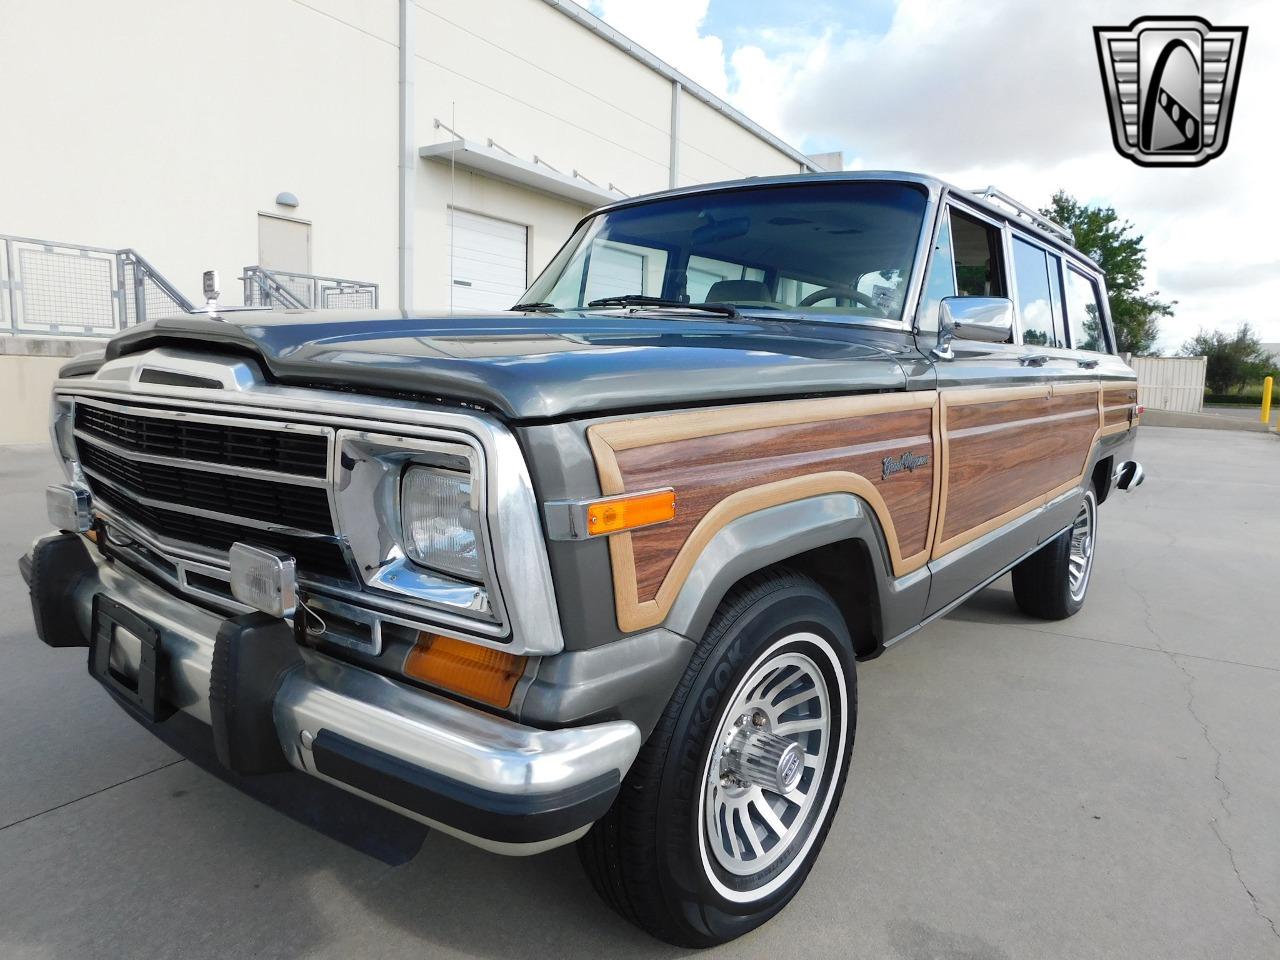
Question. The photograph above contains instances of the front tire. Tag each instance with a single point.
(724, 811)
(1051, 583)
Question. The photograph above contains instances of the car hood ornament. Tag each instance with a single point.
(212, 289)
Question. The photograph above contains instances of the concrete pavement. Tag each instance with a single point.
(1107, 786)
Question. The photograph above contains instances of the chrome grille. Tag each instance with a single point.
(206, 481)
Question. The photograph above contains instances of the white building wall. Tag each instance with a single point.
(530, 78)
(548, 219)
(167, 126)
(713, 147)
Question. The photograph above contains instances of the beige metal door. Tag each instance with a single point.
(284, 244)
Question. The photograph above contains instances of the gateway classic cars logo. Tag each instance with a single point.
(1170, 84)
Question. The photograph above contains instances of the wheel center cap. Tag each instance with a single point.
(763, 759)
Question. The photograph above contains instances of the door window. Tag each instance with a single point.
(1084, 313)
(977, 256)
(1035, 298)
(941, 281)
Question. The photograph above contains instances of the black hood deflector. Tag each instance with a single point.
(538, 366)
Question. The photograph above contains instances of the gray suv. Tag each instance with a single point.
(599, 568)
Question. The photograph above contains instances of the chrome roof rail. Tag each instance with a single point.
(1036, 218)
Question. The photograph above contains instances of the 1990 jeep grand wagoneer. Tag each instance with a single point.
(599, 568)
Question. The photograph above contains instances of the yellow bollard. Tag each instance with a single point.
(1266, 400)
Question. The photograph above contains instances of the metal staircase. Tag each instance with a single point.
(49, 288)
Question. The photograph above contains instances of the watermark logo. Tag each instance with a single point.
(1170, 84)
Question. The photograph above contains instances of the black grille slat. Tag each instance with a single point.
(232, 444)
(108, 436)
(306, 508)
(320, 557)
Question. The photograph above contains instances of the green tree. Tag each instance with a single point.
(1120, 253)
(1233, 360)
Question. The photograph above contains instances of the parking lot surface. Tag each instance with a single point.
(1106, 786)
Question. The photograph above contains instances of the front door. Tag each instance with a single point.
(1016, 422)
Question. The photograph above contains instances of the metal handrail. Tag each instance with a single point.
(273, 287)
(260, 285)
(150, 273)
(75, 290)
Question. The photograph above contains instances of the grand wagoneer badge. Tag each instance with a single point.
(908, 461)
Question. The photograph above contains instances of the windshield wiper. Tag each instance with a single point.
(541, 306)
(639, 300)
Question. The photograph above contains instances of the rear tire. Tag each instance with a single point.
(697, 850)
(1051, 584)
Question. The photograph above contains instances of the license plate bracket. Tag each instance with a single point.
(141, 694)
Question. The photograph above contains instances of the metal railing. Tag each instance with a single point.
(305, 291)
(71, 290)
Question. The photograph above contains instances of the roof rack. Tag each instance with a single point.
(1022, 210)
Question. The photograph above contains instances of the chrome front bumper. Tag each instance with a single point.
(490, 781)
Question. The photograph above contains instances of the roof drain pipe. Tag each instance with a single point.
(408, 161)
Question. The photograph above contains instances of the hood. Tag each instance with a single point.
(533, 366)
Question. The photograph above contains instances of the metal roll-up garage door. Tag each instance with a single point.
(487, 263)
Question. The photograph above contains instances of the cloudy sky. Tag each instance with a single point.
(1004, 92)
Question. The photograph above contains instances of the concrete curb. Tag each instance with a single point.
(1201, 421)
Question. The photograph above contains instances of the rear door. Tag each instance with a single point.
(1093, 346)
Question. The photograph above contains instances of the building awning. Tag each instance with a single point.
(496, 163)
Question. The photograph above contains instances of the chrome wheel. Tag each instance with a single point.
(763, 784)
(1080, 559)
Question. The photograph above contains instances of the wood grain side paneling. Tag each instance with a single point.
(1006, 451)
(732, 461)
(1119, 408)
(706, 470)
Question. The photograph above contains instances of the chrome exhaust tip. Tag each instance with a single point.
(1129, 475)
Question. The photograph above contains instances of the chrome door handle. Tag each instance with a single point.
(1034, 360)
(1087, 364)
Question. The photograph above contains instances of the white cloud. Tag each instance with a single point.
(1008, 92)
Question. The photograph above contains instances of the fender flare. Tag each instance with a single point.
(775, 534)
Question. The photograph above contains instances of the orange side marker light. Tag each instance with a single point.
(615, 514)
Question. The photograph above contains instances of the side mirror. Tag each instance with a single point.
(987, 319)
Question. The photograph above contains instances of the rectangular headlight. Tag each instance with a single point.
(441, 529)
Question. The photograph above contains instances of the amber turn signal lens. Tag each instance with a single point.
(489, 676)
(626, 513)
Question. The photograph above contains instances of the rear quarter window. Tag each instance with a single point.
(1085, 318)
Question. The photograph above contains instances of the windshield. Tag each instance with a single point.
(843, 248)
